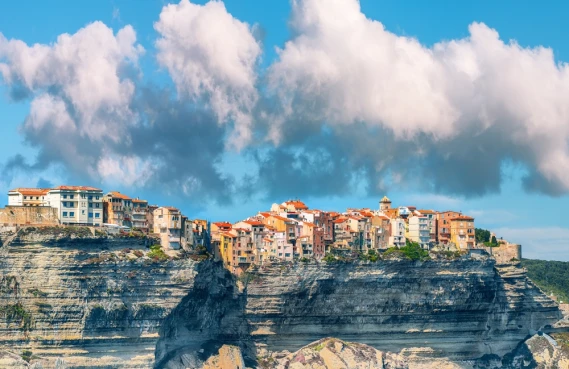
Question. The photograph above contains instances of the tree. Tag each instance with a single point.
(494, 241)
(482, 235)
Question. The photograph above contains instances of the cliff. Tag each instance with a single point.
(78, 298)
(96, 301)
(462, 309)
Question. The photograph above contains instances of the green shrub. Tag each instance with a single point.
(304, 259)
(26, 355)
(411, 251)
(157, 254)
(17, 312)
(329, 258)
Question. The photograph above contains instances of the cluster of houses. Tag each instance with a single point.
(287, 231)
(89, 206)
(291, 231)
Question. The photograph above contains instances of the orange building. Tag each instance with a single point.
(443, 225)
(462, 232)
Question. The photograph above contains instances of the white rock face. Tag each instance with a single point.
(91, 301)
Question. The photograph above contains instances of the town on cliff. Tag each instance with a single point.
(286, 232)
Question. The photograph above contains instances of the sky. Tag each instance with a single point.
(223, 108)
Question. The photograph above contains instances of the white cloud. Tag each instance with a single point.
(80, 100)
(211, 56)
(546, 243)
(343, 68)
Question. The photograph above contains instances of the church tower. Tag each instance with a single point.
(384, 204)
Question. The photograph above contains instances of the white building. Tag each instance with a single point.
(168, 224)
(28, 197)
(77, 204)
(397, 237)
(419, 230)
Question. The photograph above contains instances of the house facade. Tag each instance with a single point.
(168, 225)
(78, 205)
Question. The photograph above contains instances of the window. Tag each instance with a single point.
(83, 212)
(71, 213)
(97, 215)
(97, 205)
(64, 213)
(90, 204)
(71, 197)
(90, 197)
(64, 196)
(90, 215)
(96, 197)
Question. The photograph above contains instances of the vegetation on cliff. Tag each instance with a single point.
(550, 276)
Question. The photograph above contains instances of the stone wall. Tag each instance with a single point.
(28, 215)
(505, 252)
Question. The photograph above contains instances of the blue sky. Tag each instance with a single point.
(535, 218)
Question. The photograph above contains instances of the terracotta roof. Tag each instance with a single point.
(354, 217)
(77, 188)
(119, 195)
(228, 235)
(171, 208)
(265, 214)
(333, 214)
(281, 218)
(462, 217)
(223, 224)
(297, 204)
(32, 191)
(253, 222)
(139, 201)
(339, 220)
(424, 211)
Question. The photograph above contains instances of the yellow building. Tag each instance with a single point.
(462, 232)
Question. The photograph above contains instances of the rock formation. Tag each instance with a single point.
(461, 309)
(94, 300)
(78, 298)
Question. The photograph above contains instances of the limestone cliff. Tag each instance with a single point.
(91, 300)
(461, 309)
(78, 298)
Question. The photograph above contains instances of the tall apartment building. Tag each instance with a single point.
(139, 211)
(80, 205)
(117, 209)
(168, 225)
(397, 233)
(462, 232)
(419, 230)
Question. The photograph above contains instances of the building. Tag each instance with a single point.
(419, 230)
(28, 197)
(79, 205)
(117, 209)
(380, 232)
(168, 225)
(431, 223)
(384, 204)
(139, 211)
(397, 233)
(443, 225)
(462, 232)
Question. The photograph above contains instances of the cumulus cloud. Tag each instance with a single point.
(454, 111)
(90, 112)
(345, 102)
(211, 57)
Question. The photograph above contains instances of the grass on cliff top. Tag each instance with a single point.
(411, 251)
(550, 276)
(157, 254)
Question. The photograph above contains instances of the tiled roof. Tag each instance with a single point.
(77, 188)
(462, 217)
(253, 222)
(139, 201)
(297, 204)
(31, 191)
(223, 224)
(119, 195)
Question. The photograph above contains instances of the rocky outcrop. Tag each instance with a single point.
(94, 301)
(462, 309)
(332, 353)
